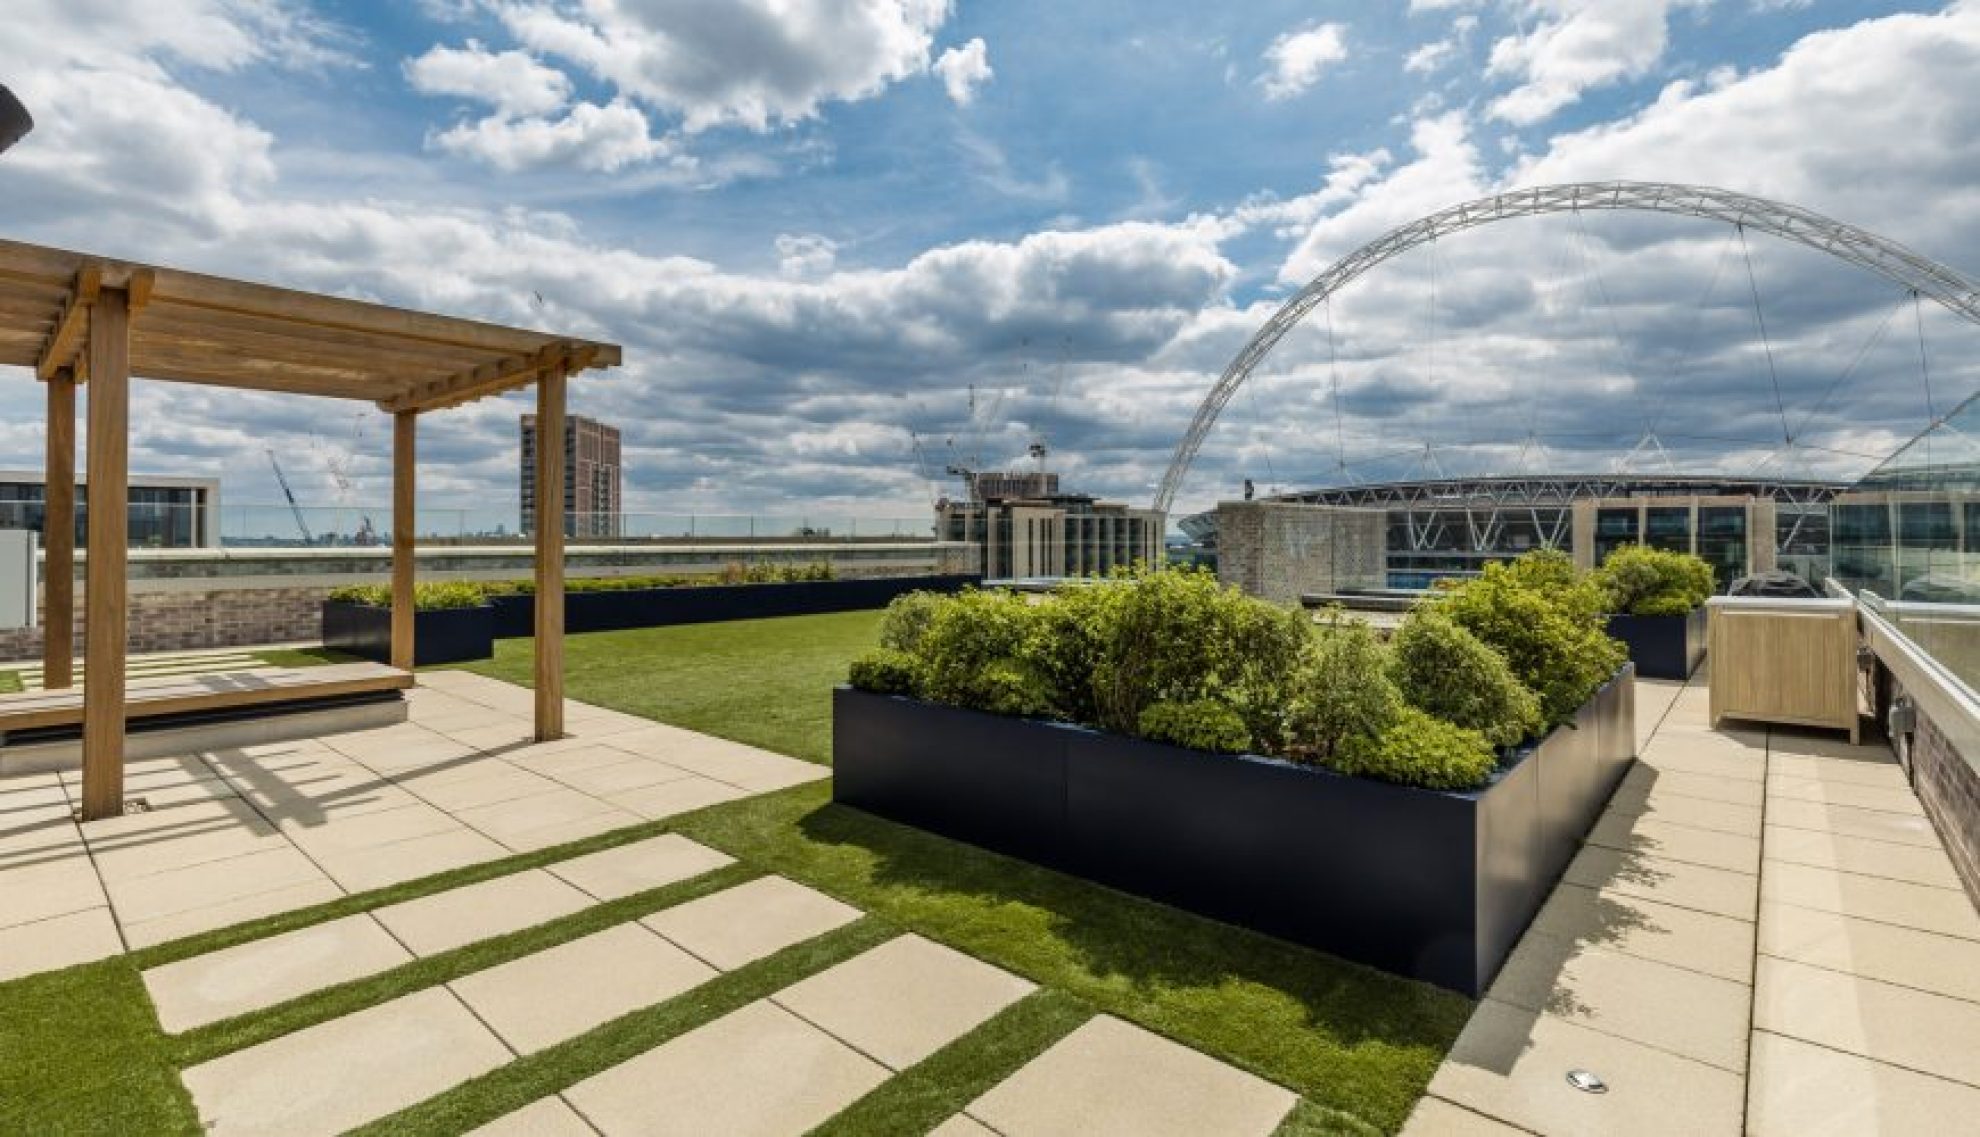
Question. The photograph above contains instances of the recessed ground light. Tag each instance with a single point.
(1587, 1081)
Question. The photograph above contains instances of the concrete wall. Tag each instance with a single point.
(194, 599)
(1280, 551)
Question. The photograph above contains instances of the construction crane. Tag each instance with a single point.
(283, 481)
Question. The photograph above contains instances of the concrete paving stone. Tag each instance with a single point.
(1435, 1117)
(551, 1117)
(1801, 1090)
(632, 774)
(352, 791)
(754, 919)
(1942, 964)
(261, 973)
(1716, 891)
(1715, 945)
(409, 860)
(460, 916)
(1696, 1016)
(37, 837)
(757, 1072)
(743, 766)
(962, 1125)
(1667, 754)
(562, 992)
(33, 892)
(670, 799)
(57, 942)
(194, 837)
(1649, 782)
(201, 886)
(1816, 743)
(503, 820)
(904, 1000)
(576, 829)
(1883, 773)
(1110, 1077)
(19, 792)
(331, 1077)
(1911, 863)
(1946, 911)
(1511, 1064)
(1874, 824)
(492, 738)
(442, 753)
(1647, 797)
(1639, 833)
(551, 759)
(479, 782)
(1934, 1034)
(171, 787)
(625, 869)
(330, 837)
(1900, 801)
(227, 913)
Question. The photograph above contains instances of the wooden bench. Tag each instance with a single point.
(154, 697)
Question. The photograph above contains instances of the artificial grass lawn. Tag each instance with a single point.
(764, 682)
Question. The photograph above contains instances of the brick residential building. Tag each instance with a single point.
(592, 501)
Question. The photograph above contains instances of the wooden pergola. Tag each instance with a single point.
(76, 318)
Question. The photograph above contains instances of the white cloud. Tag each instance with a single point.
(802, 255)
(964, 69)
(513, 82)
(1573, 46)
(1296, 60)
(590, 137)
(1435, 54)
(751, 63)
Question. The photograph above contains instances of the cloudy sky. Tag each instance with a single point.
(814, 224)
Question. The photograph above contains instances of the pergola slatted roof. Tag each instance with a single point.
(189, 327)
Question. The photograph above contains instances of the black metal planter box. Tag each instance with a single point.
(1433, 885)
(611, 611)
(445, 635)
(1663, 647)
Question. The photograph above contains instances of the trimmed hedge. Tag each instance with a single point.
(1637, 580)
(435, 596)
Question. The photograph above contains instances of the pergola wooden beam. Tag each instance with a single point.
(67, 336)
(405, 426)
(109, 535)
(58, 535)
(549, 629)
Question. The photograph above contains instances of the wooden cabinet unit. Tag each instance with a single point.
(1783, 661)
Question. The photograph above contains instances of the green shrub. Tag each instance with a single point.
(1204, 724)
(1643, 581)
(1548, 624)
(885, 671)
(433, 596)
(1419, 750)
(978, 652)
(907, 617)
(1444, 670)
(1342, 694)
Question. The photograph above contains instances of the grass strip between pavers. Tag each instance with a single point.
(536, 1076)
(924, 1095)
(1309, 1119)
(81, 1053)
(202, 1044)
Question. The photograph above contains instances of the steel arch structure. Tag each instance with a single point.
(1921, 275)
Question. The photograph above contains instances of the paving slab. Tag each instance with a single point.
(1718, 892)
(670, 799)
(551, 1117)
(324, 837)
(757, 1072)
(1883, 772)
(477, 782)
(1910, 958)
(962, 1125)
(561, 992)
(1654, 803)
(142, 899)
(1822, 791)
(607, 779)
(366, 869)
(261, 973)
(1933, 1034)
(514, 822)
(1642, 833)
(1715, 945)
(1674, 1009)
(54, 887)
(1511, 1064)
(757, 918)
(331, 1077)
(461, 916)
(227, 913)
(1946, 911)
(625, 869)
(904, 1000)
(1435, 1117)
(58, 942)
(1801, 1090)
(1111, 1077)
(1859, 855)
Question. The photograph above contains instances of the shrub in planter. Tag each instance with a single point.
(1547, 622)
(1638, 580)
(434, 596)
(907, 618)
(1418, 749)
(1343, 695)
(885, 671)
(1204, 724)
(1442, 669)
(978, 652)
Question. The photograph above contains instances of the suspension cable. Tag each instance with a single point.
(1760, 320)
(1334, 369)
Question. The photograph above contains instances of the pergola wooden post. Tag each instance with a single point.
(58, 534)
(109, 354)
(404, 516)
(550, 551)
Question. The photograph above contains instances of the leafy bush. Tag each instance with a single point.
(1342, 693)
(907, 617)
(978, 652)
(1204, 724)
(1418, 749)
(432, 596)
(1444, 670)
(765, 572)
(885, 671)
(1643, 581)
(1548, 623)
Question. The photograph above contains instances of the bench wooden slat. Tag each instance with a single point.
(218, 690)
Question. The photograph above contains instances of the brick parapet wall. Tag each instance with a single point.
(1949, 788)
